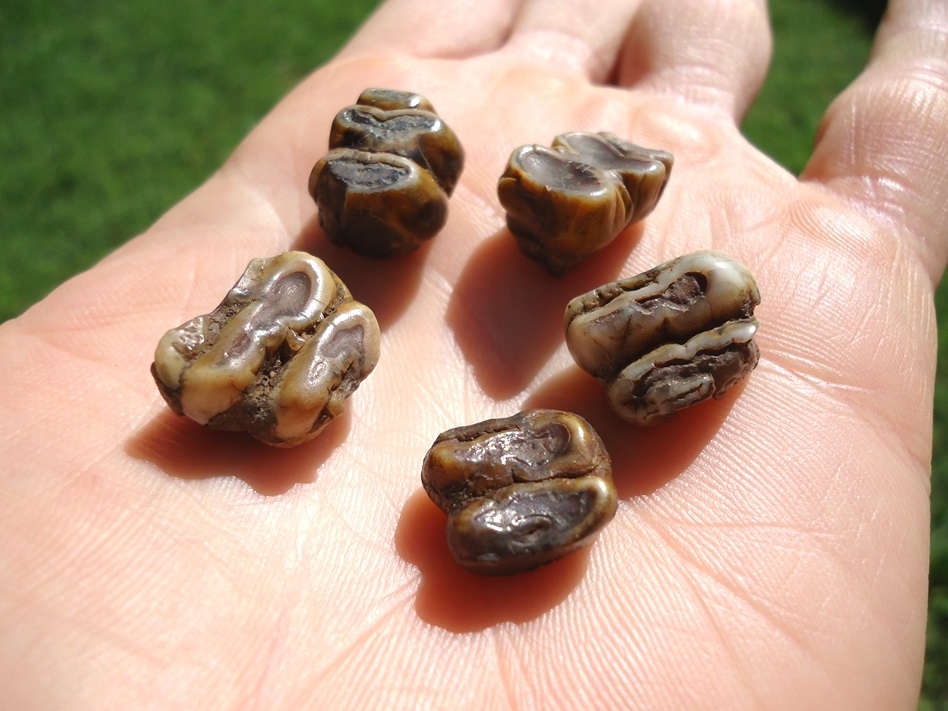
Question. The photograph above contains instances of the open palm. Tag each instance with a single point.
(770, 548)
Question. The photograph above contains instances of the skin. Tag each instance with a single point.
(770, 549)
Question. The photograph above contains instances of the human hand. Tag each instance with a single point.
(770, 549)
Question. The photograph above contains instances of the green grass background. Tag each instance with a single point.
(111, 112)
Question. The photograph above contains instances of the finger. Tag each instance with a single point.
(448, 29)
(584, 35)
(712, 53)
(883, 141)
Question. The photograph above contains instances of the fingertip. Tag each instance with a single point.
(880, 143)
(451, 29)
(580, 35)
(713, 54)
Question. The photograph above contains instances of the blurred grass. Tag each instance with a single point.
(114, 111)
